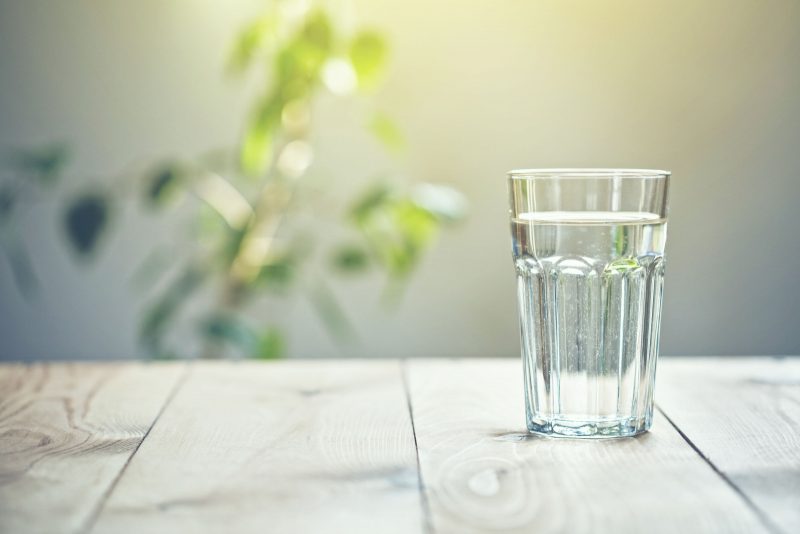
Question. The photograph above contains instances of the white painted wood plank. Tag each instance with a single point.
(744, 416)
(66, 431)
(293, 446)
(482, 473)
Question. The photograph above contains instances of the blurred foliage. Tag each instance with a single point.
(351, 259)
(162, 312)
(25, 175)
(385, 129)
(368, 53)
(249, 243)
(85, 221)
(228, 329)
(164, 187)
(43, 165)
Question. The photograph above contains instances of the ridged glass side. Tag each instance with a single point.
(589, 325)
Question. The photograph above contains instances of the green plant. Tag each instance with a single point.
(250, 199)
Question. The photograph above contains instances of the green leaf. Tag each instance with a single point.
(277, 275)
(164, 187)
(350, 259)
(416, 224)
(299, 63)
(45, 163)
(251, 40)
(444, 203)
(387, 132)
(414, 229)
(271, 345)
(368, 54)
(371, 200)
(159, 315)
(85, 221)
(317, 32)
(256, 151)
(396, 228)
(22, 269)
(331, 313)
(229, 329)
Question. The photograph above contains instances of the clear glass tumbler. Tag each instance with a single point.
(588, 247)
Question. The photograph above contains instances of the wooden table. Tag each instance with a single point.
(386, 446)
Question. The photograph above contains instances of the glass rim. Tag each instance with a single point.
(518, 174)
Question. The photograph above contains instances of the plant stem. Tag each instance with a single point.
(255, 245)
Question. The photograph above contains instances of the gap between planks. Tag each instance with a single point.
(742, 415)
(92, 519)
(768, 524)
(427, 524)
(66, 431)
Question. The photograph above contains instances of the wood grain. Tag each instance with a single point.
(482, 473)
(744, 416)
(66, 432)
(293, 446)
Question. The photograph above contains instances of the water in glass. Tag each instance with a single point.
(590, 289)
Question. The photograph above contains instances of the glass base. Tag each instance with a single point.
(600, 428)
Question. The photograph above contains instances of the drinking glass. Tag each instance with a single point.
(588, 248)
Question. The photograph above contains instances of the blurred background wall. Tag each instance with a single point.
(706, 89)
